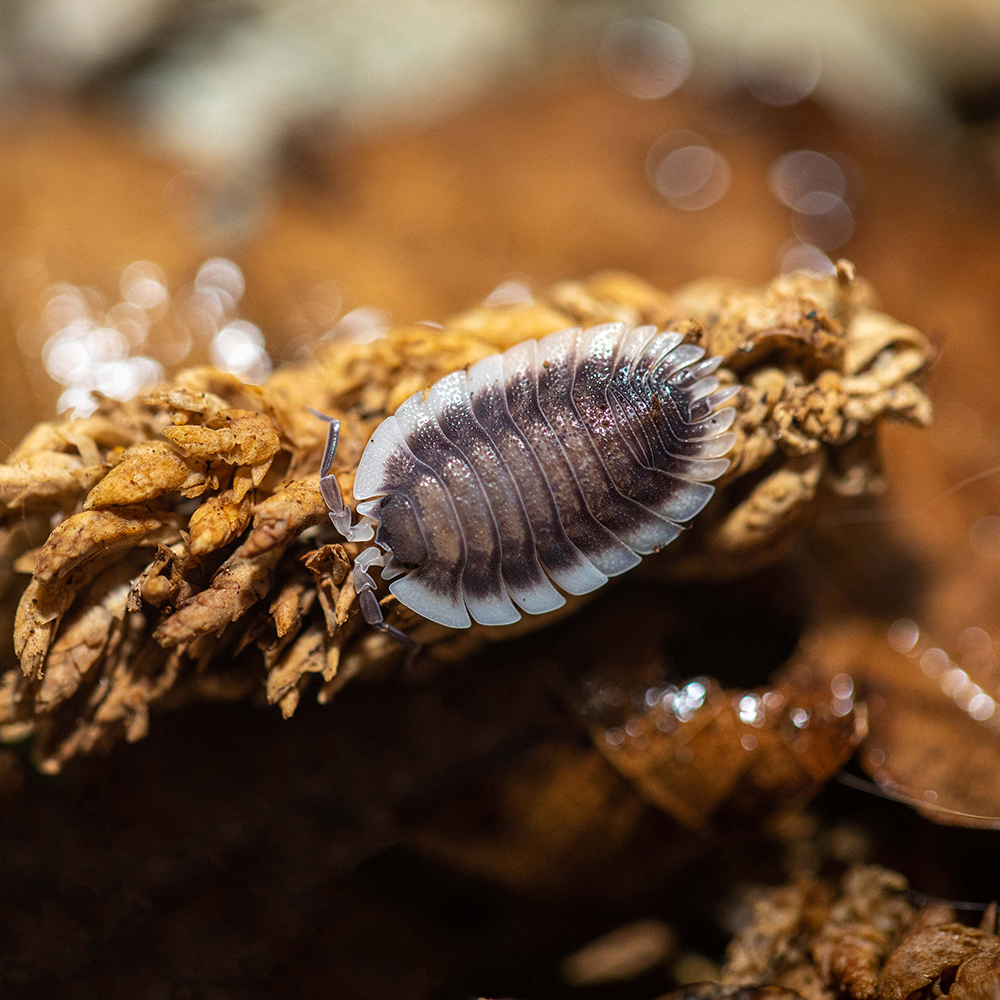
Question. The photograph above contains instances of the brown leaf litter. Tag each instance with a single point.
(855, 937)
(704, 749)
(189, 552)
(862, 939)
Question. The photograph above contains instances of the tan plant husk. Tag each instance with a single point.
(191, 556)
(861, 938)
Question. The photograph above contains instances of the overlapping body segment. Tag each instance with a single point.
(558, 463)
(562, 560)
(450, 399)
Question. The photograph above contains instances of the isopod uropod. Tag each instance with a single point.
(556, 464)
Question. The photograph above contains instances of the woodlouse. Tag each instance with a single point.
(560, 461)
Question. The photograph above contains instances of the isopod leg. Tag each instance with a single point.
(364, 586)
(340, 513)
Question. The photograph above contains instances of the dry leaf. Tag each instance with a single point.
(43, 479)
(978, 978)
(93, 532)
(928, 954)
(691, 747)
(860, 930)
(147, 471)
(240, 582)
(859, 940)
(238, 437)
(217, 522)
(278, 519)
(85, 636)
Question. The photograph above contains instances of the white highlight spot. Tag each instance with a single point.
(223, 278)
(903, 635)
(954, 682)
(510, 293)
(934, 662)
(362, 325)
(823, 219)
(644, 57)
(774, 700)
(780, 63)
(686, 172)
(238, 348)
(981, 707)
(143, 284)
(798, 256)
(750, 709)
(689, 699)
(797, 174)
(842, 686)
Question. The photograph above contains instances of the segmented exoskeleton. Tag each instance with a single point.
(561, 461)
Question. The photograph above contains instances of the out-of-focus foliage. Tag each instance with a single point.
(224, 83)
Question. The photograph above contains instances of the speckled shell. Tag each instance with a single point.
(561, 461)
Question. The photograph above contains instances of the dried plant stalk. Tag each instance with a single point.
(862, 939)
(190, 540)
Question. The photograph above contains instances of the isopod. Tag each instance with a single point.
(550, 467)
